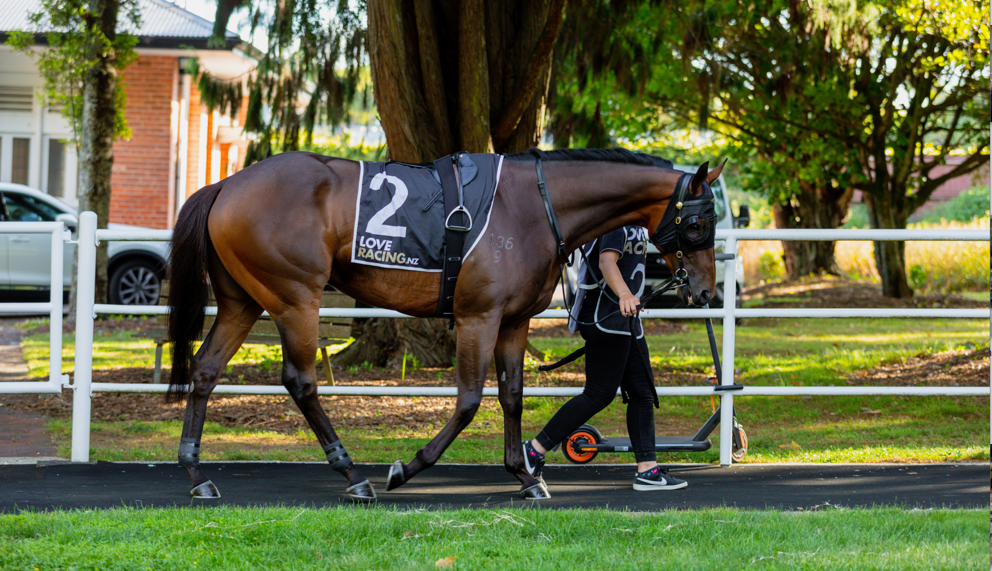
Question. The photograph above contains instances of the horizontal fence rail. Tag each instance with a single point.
(380, 391)
(87, 311)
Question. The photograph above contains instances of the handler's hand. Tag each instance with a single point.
(628, 304)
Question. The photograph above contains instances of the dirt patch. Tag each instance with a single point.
(958, 368)
(834, 292)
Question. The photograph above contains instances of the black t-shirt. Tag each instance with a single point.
(595, 300)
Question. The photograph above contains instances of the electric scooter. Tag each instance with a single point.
(583, 445)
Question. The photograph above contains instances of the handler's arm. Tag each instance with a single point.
(611, 273)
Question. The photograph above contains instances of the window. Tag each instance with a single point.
(24, 208)
(56, 168)
(21, 159)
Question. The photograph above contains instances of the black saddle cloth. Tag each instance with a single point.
(399, 217)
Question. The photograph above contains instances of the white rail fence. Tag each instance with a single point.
(87, 310)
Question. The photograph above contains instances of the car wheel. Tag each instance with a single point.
(135, 283)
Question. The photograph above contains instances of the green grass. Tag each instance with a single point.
(974, 295)
(380, 538)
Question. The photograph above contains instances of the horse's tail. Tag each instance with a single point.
(188, 291)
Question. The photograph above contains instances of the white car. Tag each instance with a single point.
(135, 269)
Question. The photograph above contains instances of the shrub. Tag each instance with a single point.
(965, 207)
(770, 266)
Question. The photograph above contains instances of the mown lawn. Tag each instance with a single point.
(379, 538)
(770, 352)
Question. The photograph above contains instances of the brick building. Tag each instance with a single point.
(176, 147)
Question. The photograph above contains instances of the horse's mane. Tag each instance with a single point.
(614, 155)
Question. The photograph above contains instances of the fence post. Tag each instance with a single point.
(729, 309)
(83, 369)
(55, 315)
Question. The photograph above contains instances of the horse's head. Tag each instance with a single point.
(685, 234)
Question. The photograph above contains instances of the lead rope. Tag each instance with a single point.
(672, 283)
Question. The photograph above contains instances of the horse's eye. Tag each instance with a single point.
(696, 230)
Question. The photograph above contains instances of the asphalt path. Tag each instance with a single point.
(790, 487)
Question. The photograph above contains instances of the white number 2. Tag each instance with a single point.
(376, 223)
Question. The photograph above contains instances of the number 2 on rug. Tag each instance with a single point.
(377, 224)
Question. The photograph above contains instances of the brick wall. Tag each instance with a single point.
(140, 180)
(193, 156)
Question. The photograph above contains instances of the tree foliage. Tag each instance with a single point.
(818, 98)
(308, 74)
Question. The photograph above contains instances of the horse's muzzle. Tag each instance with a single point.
(702, 298)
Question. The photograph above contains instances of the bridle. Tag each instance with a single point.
(689, 223)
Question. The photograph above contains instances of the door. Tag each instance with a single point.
(29, 255)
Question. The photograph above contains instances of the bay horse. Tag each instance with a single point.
(272, 235)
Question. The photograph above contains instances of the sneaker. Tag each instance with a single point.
(533, 460)
(657, 479)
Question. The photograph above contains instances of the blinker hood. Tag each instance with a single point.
(689, 223)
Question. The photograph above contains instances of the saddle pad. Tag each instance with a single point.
(393, 229)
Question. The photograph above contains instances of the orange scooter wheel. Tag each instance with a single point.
(573, 445)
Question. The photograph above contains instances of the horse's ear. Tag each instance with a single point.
(715, 173)
(697, 179)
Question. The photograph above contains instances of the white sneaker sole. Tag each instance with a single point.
(656, 487)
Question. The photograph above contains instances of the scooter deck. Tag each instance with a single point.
(662, 444)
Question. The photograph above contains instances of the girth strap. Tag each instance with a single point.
(454, 234)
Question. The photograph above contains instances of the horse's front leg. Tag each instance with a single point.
(510, 346)
(476, 339)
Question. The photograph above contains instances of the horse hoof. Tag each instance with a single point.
(205, 490)
(361, 492)
(395, 478)
(536, 492)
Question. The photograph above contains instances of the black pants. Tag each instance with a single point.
(611, 362)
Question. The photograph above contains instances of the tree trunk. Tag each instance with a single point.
(890, 257)
(96, 149)
(816, 207)
(452, 76)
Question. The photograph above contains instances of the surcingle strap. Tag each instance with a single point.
(456, 223)
(189, 452)
(337, 456)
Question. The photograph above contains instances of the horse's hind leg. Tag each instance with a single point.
(510, 346)
(236, 313)
(476, 339)
(299, 328)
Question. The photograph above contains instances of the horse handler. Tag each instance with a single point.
(612, 268)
